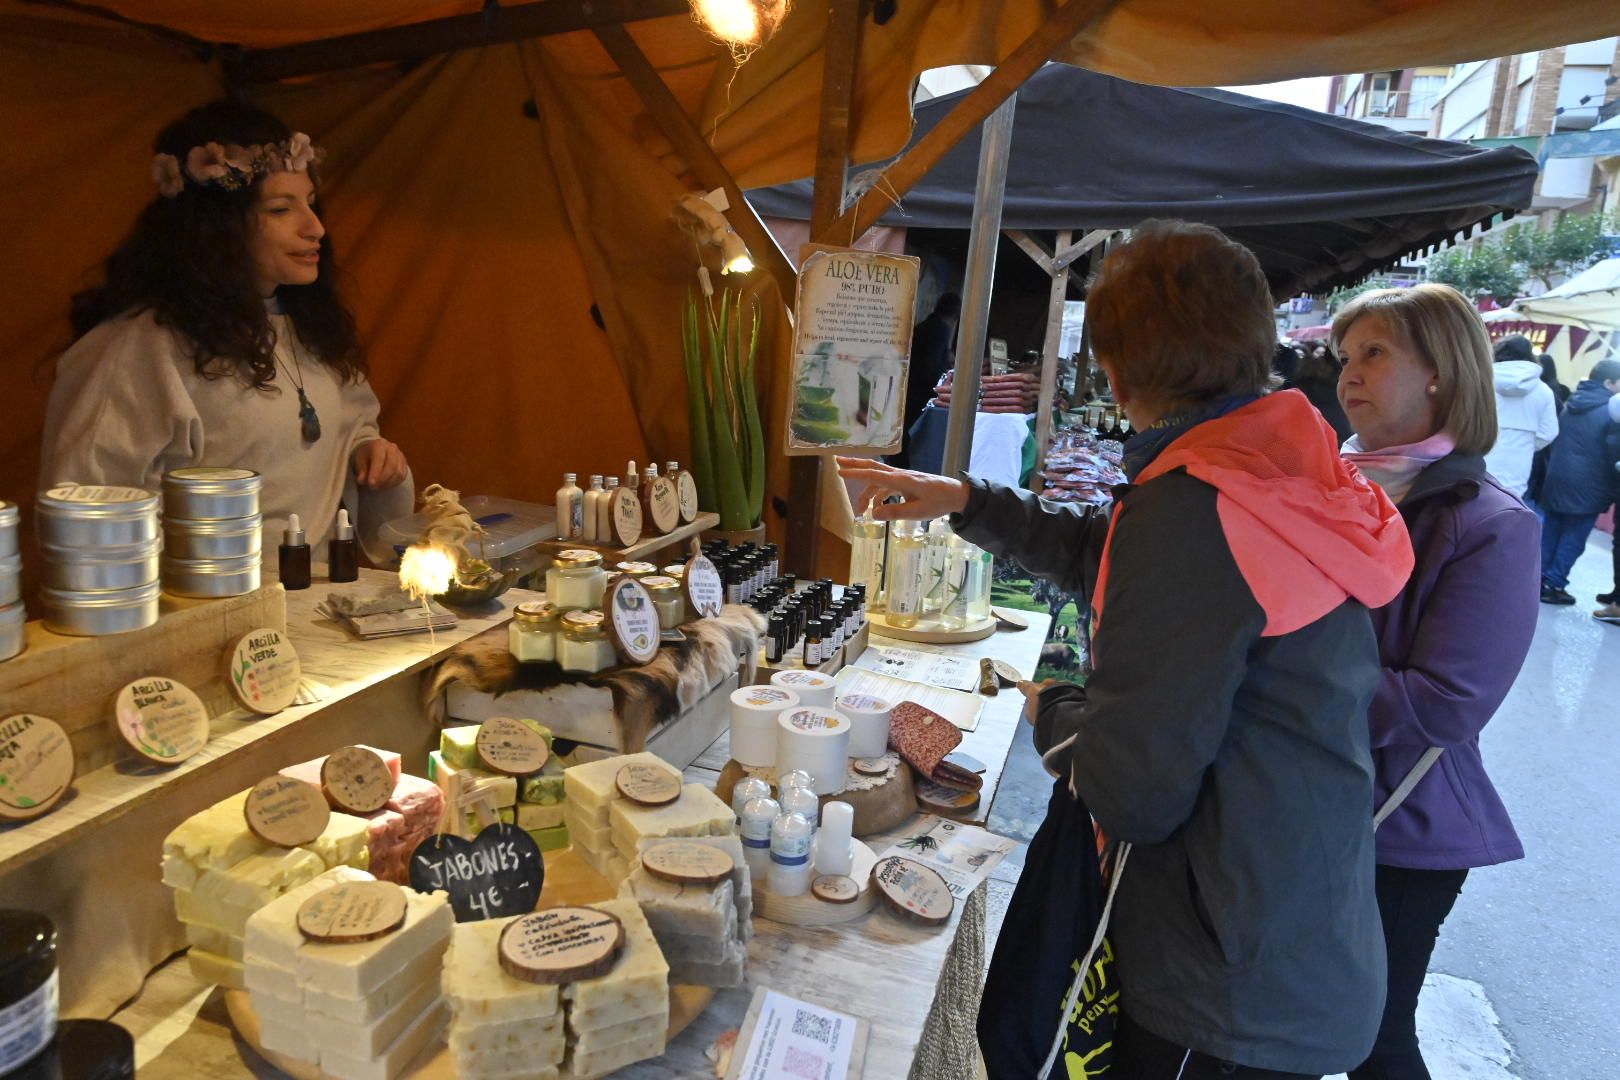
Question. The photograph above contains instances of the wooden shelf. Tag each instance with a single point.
(638, 551)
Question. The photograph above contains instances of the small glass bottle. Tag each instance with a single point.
(532, 634)
(789, 874)
(866, 552)
(775, 639)
(575, 580)
(570, 509)
(749, 787)
(812, 644)
(967, 585)
(938, 544)
(757, 817)
(801, 800)
(666, 597)
(604, 512)
(795, 778)
(584, 647)
(733, 579)
(591, 515)
(904, 584)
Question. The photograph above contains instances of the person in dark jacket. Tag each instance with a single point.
(1538, 465)
(1580, 481)
(932, 342)
(1222, 731)
(1318, 379)
(1417, 387)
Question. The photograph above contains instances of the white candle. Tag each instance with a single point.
(833, 854)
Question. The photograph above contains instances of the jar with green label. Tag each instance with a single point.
(532, 635)
(575, 581)
(583, 647)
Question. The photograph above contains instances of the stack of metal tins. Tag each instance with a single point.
(211, 531)
(12, 615)
(100, 547)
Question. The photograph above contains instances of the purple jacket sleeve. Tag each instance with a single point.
(1471, 638)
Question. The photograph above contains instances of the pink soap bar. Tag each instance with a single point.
(386, 841)
(310, 771)
(418, 799)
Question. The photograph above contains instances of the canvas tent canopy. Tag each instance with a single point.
(1322, 200)
(1590, 299)
(499, 189)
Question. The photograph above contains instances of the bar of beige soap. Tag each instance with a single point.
(540, 1037)
(272, 938)
(215, 839)
(741, 881)
(585, 832)
(591, 787)
(478, 989)
(610, 1059)
(698, 812)
(393, 1060)
(531, 816)
(690, 909)
(343, 843)
(358, 968)
(638, 985)
(368, 1007)
(373, 1038)
(522, 1061)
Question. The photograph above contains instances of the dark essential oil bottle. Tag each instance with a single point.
(294, 556)
(343, 550)
(812, 645)
(775, 640)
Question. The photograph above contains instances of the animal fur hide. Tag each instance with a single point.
(678, 678)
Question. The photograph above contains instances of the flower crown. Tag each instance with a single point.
(230, 166)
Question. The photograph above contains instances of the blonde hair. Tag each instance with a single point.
(1450, 336)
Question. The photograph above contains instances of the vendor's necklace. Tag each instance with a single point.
(307, 416)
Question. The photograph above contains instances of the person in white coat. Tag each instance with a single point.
(1526, 414)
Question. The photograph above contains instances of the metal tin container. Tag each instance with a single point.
(91, 515)
(10, 579)
(8, 529)
(206, 493)
(223, 538)
(210, 577)
(98, 569)
(13, 618)
(90, 614)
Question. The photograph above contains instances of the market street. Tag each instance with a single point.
(1525, 965)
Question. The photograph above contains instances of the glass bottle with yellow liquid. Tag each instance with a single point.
(866, 553)
(903, 585)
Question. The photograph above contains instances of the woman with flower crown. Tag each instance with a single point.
(218, 338)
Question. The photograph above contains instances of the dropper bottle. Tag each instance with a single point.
(294, 552)
(343, 551)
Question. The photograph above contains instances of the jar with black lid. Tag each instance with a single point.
(28, 986)
(84, 1050)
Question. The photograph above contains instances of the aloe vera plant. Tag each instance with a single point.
(720, 343)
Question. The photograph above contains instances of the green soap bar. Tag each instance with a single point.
(435, 765)
(506, 813)
(459, 746)
(544, 787)
(550, 839)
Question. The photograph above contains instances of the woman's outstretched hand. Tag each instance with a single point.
(924, 496)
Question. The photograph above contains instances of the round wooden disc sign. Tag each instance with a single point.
(265, 671)
(664, 504)
(511, 747)
(356, 780)
(561, 945)
(632, 621)
(286, 812)
(705, 591)
(913, 891)
(686, 487)
(161, 720)
(626, 516)
(835, 889)
(649, 785)
(353, 911)
(36, 766)
(685, 862)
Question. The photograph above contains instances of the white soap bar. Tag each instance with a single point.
(257, 880)
(368, 1007)
(591, 787)
(637, 985)
(400, 1053)
(358, 968)
(210, 967)
(275, 1010)
(200, 937)
(613, 1058)
(507, 1036)
(370, 1040)
(725, 972)
(502, 790)
(597, 1040)
(215, 839)
(698, 812)
(343, 843)
(538, 1055)
(610, 865)
(691, 909)
(527, 1072)
(476, 987)
(290, 1040)
(272, 936)
(742, 886)
(532, 816)
(262, 980)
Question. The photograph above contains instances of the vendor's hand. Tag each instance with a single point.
(379, 464)
(924, 496)
(1032, 697)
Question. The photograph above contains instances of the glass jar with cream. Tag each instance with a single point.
(583, 647)
(532, 635)
(575, 581)
(666, 597)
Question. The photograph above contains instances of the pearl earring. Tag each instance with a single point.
(1434, 388)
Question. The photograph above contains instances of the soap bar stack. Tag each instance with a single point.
(410, 816)
(703, 930)
(606, 828)
(361, 1010)
(221, 874)
(533, 803)
(620, 1018)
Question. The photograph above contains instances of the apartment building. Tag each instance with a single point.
(1402, 98)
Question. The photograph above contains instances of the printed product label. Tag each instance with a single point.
(905, 580)
(28, 1025)
(89, 493)
(211, 473)
(864, 702)
(803, 678)
(810, 720)
(763, 696)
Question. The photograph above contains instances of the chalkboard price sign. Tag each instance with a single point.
(498, 874)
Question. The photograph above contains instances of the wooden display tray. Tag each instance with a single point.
(932, 631)
(807, 910)
(569, 880)
(638, 551)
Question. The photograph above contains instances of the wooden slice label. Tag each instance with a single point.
(353, 911)
(626, 516)
(687, 495)
(648, 785)
(705, 592)
(664, 503)
(511, 747)
(36, 766)
(286, 812)
(944, 800)
(1006, 673)
(356, 780)
(835, 889)
(265, 671)
(632, 621)
(913, 891)
(161, 720)
(688, 863)
(1008, 619)
(873, 766)
(561, 945)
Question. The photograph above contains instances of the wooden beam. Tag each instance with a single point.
(700, 157)
(1031, 247)
(969, 113)
(1067, 254)
(1049, 356)
(495, 26)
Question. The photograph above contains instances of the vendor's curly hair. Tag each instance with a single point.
(186, 261)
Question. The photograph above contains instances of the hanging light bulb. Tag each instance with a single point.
(426, 570)
(735, 22)
(734, 257)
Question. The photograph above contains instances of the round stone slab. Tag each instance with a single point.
(648, 785)
(286, 812)
(511, 747)
(37, 768)
(835, 889)
(353, 911)
(561, 945)
(913, 891)
(161, 720)
(356, 780)
(685, 863)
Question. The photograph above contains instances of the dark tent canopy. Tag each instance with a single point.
(1322, 200)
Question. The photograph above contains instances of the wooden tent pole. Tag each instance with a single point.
(700, 157)
(839, 55)
(1049, 357)
(1009, 75)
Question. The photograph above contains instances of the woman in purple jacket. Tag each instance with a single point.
(1417, 388)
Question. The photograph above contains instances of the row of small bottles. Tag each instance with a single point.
(666, 502)
(913, 570)
(810, 617)
(1106, 422)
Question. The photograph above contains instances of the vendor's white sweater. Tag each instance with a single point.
(128, 405)
(1526, 421)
